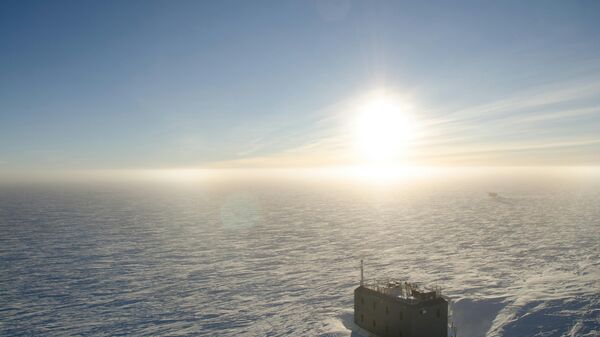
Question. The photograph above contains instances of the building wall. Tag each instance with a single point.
(387, 317)
(430, 320)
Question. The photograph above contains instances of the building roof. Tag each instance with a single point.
(408, 293)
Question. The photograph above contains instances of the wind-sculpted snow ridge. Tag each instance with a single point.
(267, 260)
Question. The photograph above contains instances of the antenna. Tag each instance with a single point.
(361, 273)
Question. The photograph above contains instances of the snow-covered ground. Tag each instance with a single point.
(275, 258)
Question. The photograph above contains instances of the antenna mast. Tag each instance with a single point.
(361, 273)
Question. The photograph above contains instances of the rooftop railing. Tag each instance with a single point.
(409, 291)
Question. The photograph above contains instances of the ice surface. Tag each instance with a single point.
(273, 259)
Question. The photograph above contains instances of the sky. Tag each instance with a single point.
(260, 84)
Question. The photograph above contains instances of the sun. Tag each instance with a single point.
(385, 129)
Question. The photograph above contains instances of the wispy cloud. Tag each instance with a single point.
(531, 99)
(529, 121)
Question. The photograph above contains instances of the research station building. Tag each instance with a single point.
(400, 309)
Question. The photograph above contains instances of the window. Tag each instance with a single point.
(362, 317)
(387, 310)
(374, 323)
(362, 300)
(401, 315)
(374, 305)
(437, 313)
(386, 329)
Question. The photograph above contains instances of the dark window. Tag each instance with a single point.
(362, 300)
(374, 323)
(400, 334)
(362, 317)
(387, 310)
(401, 315)
(437, 313)
(374, 305)
(386, 329)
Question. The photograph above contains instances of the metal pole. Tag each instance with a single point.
(361, 273)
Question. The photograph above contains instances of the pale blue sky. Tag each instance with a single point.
(159, 84)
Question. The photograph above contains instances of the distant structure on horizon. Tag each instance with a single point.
(400, 309)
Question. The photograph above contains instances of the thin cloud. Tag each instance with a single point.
(510, 125)
(535, 98)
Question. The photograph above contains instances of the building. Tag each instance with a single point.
(400, 309)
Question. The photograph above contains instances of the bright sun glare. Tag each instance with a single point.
(384, 130)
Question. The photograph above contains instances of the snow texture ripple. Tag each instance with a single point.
(281, 259)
